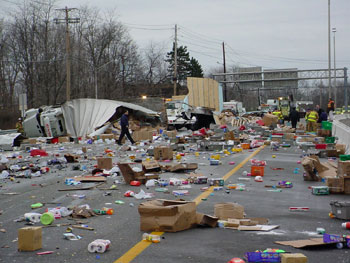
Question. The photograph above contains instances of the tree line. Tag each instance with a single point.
(33, 58)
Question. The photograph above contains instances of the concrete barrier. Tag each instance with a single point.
(342, 130)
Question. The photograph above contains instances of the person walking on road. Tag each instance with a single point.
(311, 120)
(294, 117)
(124, 124)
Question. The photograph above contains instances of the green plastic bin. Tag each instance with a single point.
(326, 125)
(330, 140)
(344, 157)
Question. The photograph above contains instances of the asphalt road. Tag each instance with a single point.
(194, 245)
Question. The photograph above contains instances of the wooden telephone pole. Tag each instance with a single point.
(67, 21)
(175, 62)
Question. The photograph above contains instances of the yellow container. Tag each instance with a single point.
(178, 157)
(196, 154)
(215, 157)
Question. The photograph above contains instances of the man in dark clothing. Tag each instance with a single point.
(124, 124)
(294, 117)
(323, 116)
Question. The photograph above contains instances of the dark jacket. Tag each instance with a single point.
(294, 116)
(323, 117)
(124, 122)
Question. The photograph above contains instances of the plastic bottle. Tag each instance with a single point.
(32, 217)
(346, 225)
(151, 238)
(99, 246)
(109, 211)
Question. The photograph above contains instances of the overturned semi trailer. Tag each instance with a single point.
(81, 117)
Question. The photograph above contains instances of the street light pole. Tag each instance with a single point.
(335, 69)
(329, 50)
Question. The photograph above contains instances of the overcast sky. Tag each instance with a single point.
(268, 33)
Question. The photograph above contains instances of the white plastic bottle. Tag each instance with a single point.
(32, 217)
(151, 238)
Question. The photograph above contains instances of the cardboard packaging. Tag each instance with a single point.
(63, 139)
(229, 136)
(29, 238)
(129, 174)
(104, 163)
(225, 211)
(167, 215)
(170, 134)
(269, 119)
(163, 153)
(142, 135)
(206, 220)
(293, 258)
(347, 185)
(324, 133)
(343, 168)
(151, 166)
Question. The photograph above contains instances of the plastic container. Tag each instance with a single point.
(320, 190)
(329, 140)
(344, 157)
(151, 238)
(326, 125)
(245, 146)
(346, 225)
(32, 217)
(47, 218)
(99, 246)
(257, 171)
(321, 146)
(341, 209)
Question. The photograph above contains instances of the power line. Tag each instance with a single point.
(155, 29)
(209, 39)
(210, 48)
(142, 25)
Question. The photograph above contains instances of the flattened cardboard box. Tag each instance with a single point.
(207, 220)
(225, 211)
(167, 215)
(343, 168)
(29, 238)
(269, 119)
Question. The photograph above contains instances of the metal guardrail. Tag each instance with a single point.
(2, 132)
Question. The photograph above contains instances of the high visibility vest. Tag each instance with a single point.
(312, 116)
(278, 114)
(330, 104)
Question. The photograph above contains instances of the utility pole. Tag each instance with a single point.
(67, 21)
(224, 63)
(175, 62)
(335, 69)
(329, 51)
(346, 89)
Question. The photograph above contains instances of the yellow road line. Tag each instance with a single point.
(142, 245)
(205, 194)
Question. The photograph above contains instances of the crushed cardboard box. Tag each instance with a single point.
(270, 119)
(163, 153)
(167, 215)
(293, 258)
(130, 175)
(303, 243)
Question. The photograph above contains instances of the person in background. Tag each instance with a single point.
(322, 116)
(278, 113)
(19, 126)
(311, 120)
(124, 124)
(319, 110)
(294, 117)
(330, 106)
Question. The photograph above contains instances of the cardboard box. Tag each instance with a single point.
(167, 215)
(151, 166)
(170, 134)
(347, 185)
(269, 119)
(343, 168)
(142, 135)
(289, 136)
(324, 133)
(229, 136)
(206, 220)
(231, 222)
(225, 211)
(293, 258)
(29, 238)
(71, 158)
(63, 139)
(163, 153)
(129, 175)
(104, 163)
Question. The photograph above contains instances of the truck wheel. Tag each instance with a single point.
(340, 245)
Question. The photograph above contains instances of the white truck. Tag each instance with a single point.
(235, 106)
(179, 114)
(47, 121)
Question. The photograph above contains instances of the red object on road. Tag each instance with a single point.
(236, 260)
(135, 183)
(303, 209)
(38, 152)
(321, 146)
(44, 253)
